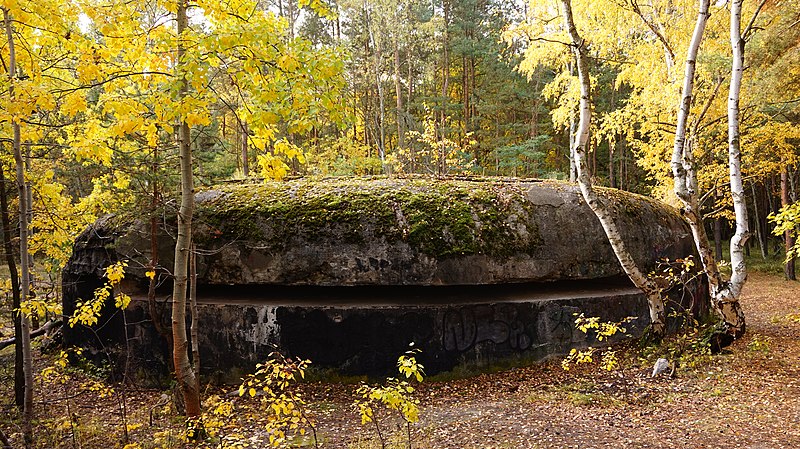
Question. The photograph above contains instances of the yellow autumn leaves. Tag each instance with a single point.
(100, 94)
(87, 312)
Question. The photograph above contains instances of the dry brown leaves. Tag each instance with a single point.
(749, 398)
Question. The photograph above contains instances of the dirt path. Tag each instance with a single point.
(749, 398)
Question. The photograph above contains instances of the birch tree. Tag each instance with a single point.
(655, 302)
(726, 300)
(683, 169)
(724, 293)
(184, 371)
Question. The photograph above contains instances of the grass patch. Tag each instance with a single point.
(581, 393)
(773, 264)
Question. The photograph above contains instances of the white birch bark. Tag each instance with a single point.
(685, 186)
(573, 134)
(727, 303)
(183, 369)
(647, 285)
(684, 179)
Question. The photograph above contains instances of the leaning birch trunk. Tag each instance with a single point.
(648, 286)
(24, 257)
(683, 171)
(183, 369)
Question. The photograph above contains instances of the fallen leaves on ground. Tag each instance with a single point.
(747, 397)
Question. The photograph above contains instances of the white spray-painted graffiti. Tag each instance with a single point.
(265, 330)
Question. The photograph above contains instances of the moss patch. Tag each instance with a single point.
(439, 218)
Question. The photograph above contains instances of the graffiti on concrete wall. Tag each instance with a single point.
(265, 329)
(466, 327)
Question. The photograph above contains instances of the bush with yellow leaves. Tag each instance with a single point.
(394, 396)
(273, 385)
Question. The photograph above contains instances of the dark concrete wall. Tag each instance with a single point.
(368, 340)
(358, 338)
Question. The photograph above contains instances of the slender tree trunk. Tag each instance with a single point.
(788, 240)
(25, 270)
(409, 92)
(183, 368)
(409, 75)
(612, 143)
(380, 114)
(473, 98)
(245, 146)
(728, 301)
(683, 170)
(747, 248)
(573, 139)
(769, 192)
(620, 157)
(152, 306)
(718, 238)
(442, 169)
(534, 130)
(592, 145)
(757, 221)
(195, 315)
(612, 146)
(338, 24)
(398, 91)
(19, 372)
(655, 302)
(465, 94)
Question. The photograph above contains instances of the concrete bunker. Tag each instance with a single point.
(349, 272)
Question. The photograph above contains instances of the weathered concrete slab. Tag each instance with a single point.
(403, 232)
(349, 272)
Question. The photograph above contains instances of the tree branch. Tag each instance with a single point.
(707, 105)
(108, 80)
(749, 27)
(655, 30)
(50, 325)
(4, 440)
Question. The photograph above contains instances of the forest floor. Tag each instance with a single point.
(747, 397)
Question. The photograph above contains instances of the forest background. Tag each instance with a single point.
(380, 87)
